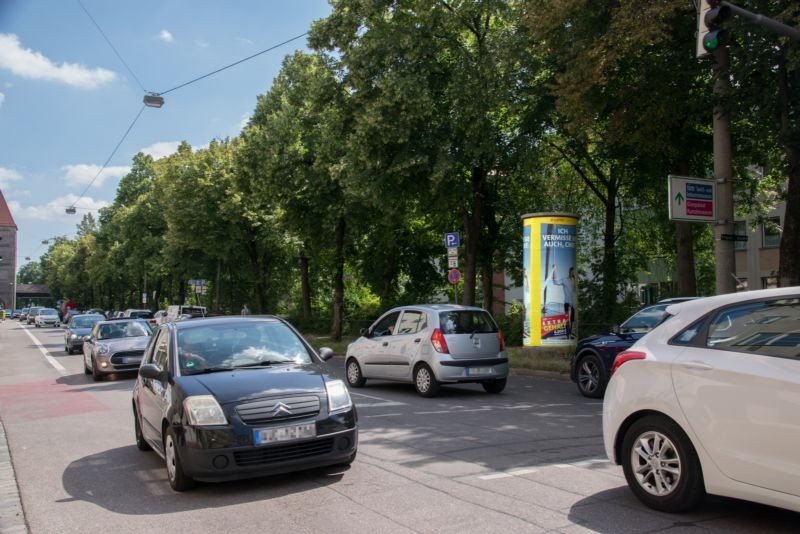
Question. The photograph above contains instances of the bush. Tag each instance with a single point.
(511, 324)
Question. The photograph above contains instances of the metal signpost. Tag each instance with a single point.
(452, 240)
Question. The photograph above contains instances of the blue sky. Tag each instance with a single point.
(66, 99)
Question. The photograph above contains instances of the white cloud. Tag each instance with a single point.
(165, 36)
(26, 63)
(2, 98)
(55, 209)
(7, 176)
(161, 149)
(82, 174)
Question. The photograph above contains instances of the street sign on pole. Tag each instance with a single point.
(144, 298)
(452, 263)
(692, 199)
(454, 276)
(452, 239)
(452, 252)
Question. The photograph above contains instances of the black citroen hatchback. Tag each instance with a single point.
(235, 397)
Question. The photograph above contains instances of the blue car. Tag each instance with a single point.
(590, 367)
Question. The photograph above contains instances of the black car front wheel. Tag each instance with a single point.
(178, 480)
(591, 377)
(141, 443)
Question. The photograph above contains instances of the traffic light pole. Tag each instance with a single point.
(724, 251)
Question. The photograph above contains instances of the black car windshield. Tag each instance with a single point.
(646, 319)
(141, 314)
(238, 344)
(87, 321)
(121, 329)
(466, 322)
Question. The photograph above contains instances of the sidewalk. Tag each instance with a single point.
(12, 517)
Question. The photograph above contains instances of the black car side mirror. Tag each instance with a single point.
(151, 370)
(365, 332)
(325, 353)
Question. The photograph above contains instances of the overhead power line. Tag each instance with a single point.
(232, 64)
(110, 44)
(72, 207)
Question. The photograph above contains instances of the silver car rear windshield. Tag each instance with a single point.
(228, 346)
(466, 322)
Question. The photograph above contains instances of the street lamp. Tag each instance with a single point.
(153, 100)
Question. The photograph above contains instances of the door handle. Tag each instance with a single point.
(697, 366)
(418, 340)
(385, 343)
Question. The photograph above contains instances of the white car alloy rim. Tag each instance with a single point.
(588, 376)
(655, 463)
(423, 379)
(352, 372)
(170, 454)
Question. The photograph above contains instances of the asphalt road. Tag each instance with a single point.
(528, 460)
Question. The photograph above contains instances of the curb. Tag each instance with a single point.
(12, 516)
(552, 375)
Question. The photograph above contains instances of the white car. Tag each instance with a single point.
(709, 401)
(46, 317)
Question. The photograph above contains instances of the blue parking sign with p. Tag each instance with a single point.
(452, 239)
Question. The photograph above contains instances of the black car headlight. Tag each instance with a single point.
(338, 397)
(204, 410)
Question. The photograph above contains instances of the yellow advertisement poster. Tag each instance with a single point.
(550, 288)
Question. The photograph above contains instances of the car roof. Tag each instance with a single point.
(705, 304)
(437, 307)
(228, 319)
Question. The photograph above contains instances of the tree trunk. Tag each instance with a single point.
(608, 267)
(338, 282)
(389, 274)
(305, 284)
(687, 282)
(789, 262)
(473, 223)
(216, 285)
(257, 269)
(487, 256)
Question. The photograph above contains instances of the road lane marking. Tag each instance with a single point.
(379, 404)
(519, 471)
(495, 475)
(383, 415)
(52, 361)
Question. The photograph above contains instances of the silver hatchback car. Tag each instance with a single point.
(429, 345)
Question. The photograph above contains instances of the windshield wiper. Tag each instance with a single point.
(264, 363)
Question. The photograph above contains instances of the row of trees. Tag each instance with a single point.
(418, 117)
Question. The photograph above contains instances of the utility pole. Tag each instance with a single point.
(724, 252)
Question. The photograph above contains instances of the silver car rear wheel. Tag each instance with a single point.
(656, 464)
(425, 382)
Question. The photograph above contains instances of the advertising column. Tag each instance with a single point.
(550, 290)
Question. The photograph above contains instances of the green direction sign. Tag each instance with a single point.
(679, 198)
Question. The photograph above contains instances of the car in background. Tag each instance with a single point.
(160, 316)
(78, 329)
(246, 397)
(31, 317)
(46, 317)
(706, 403)
(16, 313)
(430, 345)
(141, 314)
(590, 366)
(23, 314)
(115, 346)
(178, 313)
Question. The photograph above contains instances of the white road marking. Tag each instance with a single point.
(494, 476)
(519, 471)
(383, 415)
(379, 404)
(52, 361)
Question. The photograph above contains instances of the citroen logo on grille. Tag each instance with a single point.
(281, 409)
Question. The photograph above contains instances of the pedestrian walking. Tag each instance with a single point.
(245, 310)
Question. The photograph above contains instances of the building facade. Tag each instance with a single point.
(8, 256)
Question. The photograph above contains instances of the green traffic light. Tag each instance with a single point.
(714, 40)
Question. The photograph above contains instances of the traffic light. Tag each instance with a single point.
(710, 35)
